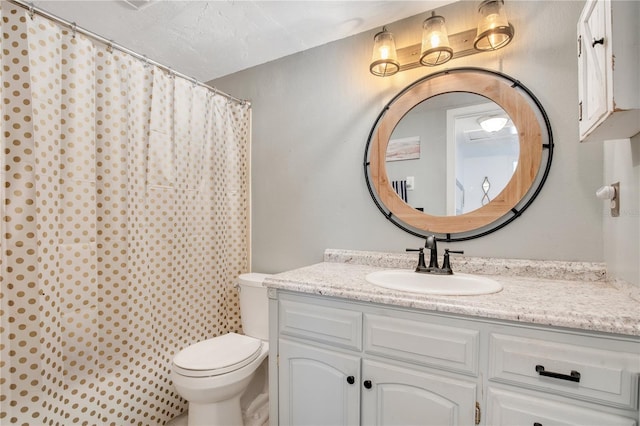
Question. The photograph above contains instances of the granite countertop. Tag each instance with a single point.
(563, 294)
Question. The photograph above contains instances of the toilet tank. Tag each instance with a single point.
(254, 305)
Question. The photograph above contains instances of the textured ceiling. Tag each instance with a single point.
(210, 39)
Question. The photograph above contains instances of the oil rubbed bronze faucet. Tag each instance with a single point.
(431, 243)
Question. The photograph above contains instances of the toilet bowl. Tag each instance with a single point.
(213, 374)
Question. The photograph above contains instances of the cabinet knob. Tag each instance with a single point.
(537, 424)
(351, 380)
(367, 384)
(598, 41)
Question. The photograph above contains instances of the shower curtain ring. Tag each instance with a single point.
(74, 29)
(32, 11)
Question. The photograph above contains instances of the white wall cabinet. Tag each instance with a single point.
(608, 66)
(351, 363)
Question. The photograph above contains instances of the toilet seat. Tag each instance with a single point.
(216, 356)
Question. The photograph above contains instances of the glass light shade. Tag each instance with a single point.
(384, 61)
(435, 42)
(494, 30)
(492, 124)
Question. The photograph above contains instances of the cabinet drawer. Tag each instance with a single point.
(605, 376)
(340, 327)
(424, 342)
(510, 409)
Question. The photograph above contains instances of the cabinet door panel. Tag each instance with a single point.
(313, 386)
(510, 409)
(592, 64)
(401, 396)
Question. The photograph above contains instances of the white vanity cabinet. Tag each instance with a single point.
(608, 66)
(341, 362)
(339, 365)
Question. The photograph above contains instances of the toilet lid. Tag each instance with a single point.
(218, 355)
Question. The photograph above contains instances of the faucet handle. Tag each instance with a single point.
(453, 251)
(421, 265)
(446, 264)
(419, 250)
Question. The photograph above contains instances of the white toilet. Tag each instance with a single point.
(213, 374)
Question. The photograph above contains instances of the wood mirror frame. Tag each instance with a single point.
(534, 133)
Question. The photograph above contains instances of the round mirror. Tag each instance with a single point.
(474, 162)
(460, 153)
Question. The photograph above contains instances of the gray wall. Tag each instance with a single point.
(312, 113)
(622, 234)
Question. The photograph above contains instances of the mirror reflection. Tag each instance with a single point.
(452, 154)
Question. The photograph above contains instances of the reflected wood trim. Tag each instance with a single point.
(509, 99)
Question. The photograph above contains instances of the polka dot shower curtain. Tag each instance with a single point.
(125, 224)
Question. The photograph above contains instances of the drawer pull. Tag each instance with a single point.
(537, 424)
(574, 376)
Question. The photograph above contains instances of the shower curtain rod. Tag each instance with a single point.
(76, 29)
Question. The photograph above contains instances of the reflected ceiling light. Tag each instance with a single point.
(435, 42)
(437, 46)
(384, 61)
(494, 30)
(492, 124)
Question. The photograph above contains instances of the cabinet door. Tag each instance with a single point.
(506, 408)
(315, 386)
(592, 63)
(402, 396)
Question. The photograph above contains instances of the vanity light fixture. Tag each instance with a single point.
(384, 61)
(492, 124)
(494, 30)
(437, 47)
(435, 42)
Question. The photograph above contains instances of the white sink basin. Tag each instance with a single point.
(449, 285)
